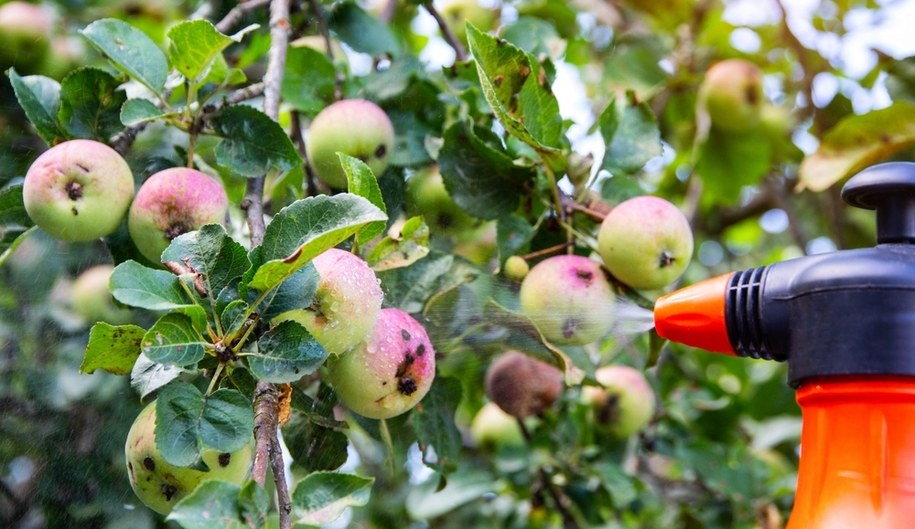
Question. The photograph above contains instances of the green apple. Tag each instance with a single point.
(646, 242)
(346, 305)
(569, 298)
(732, 95)
(173, 202)
(523, 386)
(458, 12)
(389, 373)
(493, 427)
(25, 33)
(625, 402)
(158, 483)
(516, 268)
(90, 298)
(427, 196)
(355, 127)
(78, 190)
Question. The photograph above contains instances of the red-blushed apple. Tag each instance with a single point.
(346, 305)
(569, 299)
(78, 190)
(625, 402)
(522, 386)
(492, 427)
(172, 202)
(90, 298)
(646, 242)
(25, 33)
(158, 483)
(732, 95)
(427, 196)
(389, 373)
(516, 268)
(356, 127)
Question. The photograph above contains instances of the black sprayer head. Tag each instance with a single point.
(850, 312)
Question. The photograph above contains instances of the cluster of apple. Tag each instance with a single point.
(520, 386)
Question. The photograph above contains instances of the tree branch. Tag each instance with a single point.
(325, 32)
(459, 53)
(267, 446)
(237, 13)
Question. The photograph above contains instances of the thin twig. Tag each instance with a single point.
(311, 186)
(325, 32)
(282, 488)
(459, 53)
(237, 13)
(546, 251)
(568, 519)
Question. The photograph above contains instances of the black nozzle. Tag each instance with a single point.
(888, 188)
(847, 313)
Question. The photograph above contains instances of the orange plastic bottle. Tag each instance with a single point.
(845, 323)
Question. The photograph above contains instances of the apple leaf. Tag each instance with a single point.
(409, 287)
(306, 228)
(174, 340)
(139, 286)
(516, 87)
(483, 181)
(857, 142)
(233, 316)
(403, 249)
(112, 348)
(252, 142)
(630, 132)
(129, 50)
(434, 424)
(296, 292)
(187, 422)
(286, 353)
(321, 497)
(308, 82)
(361, 31)
(15, 224)
(39, 97)
(361, 181)
(212, 504)
(728, 161)
(148, 376)
(312, 434)
(193, 46)
(136, 111)
(209, 253)
(90, 104)
(524, 336)
(513, 234)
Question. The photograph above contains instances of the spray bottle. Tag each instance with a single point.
(845, 324)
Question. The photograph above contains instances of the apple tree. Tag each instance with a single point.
(390, 263)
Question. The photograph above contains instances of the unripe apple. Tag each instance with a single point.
(346, 305)
(78, 190)
(493, 427)
(427, 196)
(569, 298)
(732, 94)
(388, 374)
(522, 386)
(355, 127)
(516, 268)
(173, 202)
(25, 32)
(625, 402)
(158, 483)
(90, 298)
(457, 12)
(646, 242)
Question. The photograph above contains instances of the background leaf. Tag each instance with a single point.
(252, 142)
(39, 97)
(321, 497)
(90, 104)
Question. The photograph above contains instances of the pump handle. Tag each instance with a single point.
(888, 188)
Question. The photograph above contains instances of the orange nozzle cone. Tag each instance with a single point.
(695, 315)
